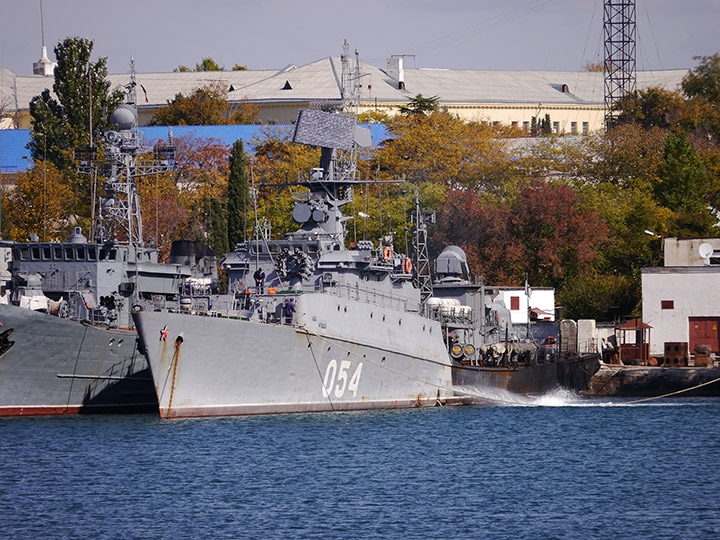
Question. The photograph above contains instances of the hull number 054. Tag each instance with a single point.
(338, 380)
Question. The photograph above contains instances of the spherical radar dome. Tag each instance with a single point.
(124, 117)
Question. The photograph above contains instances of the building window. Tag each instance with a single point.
(667, 304)
(513, 124)
(514, 303)
(526, 126)
(573, 128)
(586, 128)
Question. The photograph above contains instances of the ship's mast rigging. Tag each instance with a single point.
(124, 159)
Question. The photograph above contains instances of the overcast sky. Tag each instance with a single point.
(270, 34)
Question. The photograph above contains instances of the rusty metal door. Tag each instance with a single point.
(704, 331)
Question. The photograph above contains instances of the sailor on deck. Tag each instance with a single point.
(259, 276)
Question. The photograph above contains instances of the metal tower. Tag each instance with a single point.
(122, 159)
(619, 32)
(421, 260)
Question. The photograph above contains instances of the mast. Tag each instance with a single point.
(124, 160)
(421, 262)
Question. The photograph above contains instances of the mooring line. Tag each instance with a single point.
(670, 394)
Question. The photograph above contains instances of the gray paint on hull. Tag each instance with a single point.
(59, 366)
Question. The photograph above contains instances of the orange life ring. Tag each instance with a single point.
(387, 254)
(407, 266)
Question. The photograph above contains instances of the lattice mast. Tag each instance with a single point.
(124, 159)
(619, 32)
(421, 259)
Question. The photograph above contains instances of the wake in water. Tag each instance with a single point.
(559, 397)
(563, 397)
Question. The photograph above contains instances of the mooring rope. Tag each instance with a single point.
(670, 394)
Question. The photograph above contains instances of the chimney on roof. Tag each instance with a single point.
(396, 71)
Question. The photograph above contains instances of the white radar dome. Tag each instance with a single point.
(124, 117)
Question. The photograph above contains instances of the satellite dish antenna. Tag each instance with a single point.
(705, 250)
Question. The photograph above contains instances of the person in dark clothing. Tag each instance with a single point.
(259, 276)
(289, 310)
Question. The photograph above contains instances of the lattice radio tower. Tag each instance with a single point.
(619, 32)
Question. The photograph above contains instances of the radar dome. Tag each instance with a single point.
(124, 117)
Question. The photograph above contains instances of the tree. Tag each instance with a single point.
(682, 182)
(649, 107)
(704, 80)
(40, 203)
(164, 210)
(238, 196)
(702, 86)
(206, 106)
(60, 126)
(208, 64)
(420, 105)
(202, 178)
(543, 232)
(443, 149)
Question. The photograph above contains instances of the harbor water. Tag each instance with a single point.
(556, 467)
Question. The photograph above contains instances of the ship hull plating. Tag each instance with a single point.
(51, 366)
(537, 378)
(209, 366)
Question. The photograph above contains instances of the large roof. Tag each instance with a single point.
(321, 80)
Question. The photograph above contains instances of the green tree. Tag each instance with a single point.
(218, 226)
(238, 196)
(60, 126)
(208, 64)
(682, 183)
(704, 80)
(420, 105)
(649, 107)
(702, 86)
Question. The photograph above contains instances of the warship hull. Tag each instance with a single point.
(572, 373)
(352, 359)
(52, 366)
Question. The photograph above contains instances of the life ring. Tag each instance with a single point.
(407, 266)
(387, 254)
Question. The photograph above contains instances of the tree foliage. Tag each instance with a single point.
(40, 203)
(443, 149)
(238, 197)
(61, 125)
(205, 106)
(544, 232)
(420, 105)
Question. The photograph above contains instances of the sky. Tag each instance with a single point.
(560, 35)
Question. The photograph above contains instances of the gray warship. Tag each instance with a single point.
(67, 342)
(310, 325)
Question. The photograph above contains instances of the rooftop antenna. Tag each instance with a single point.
(619, 31)
(43, 66)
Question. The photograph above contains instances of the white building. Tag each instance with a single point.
(540, 305)
(682, 302)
